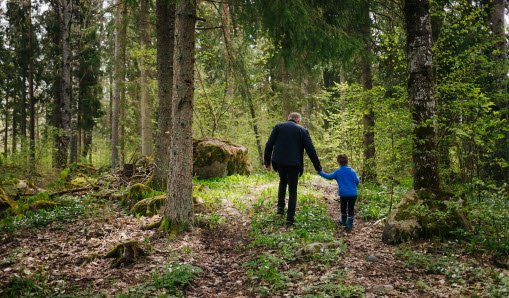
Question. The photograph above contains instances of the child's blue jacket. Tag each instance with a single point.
(346, 178)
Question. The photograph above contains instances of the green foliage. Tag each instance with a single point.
(448, 264)
(169, 280)
(393, 129)
(265, 272)
(490, 218)
(333, 285)
(68, 209)
(376, 201)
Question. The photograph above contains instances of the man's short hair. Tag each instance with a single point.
(342, 159)
(294, 116)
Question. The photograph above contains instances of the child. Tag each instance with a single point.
(347, 180)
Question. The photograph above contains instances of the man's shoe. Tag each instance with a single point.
(289, 224)
(280, 211)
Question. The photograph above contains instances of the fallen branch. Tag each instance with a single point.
(58, 193)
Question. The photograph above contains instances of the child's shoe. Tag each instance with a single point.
(349, 223)
(342, 220)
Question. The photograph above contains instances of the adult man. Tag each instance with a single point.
(285, 149)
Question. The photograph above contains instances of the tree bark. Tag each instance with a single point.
(498, 26)
(420, 92)
(31, 85)
(122, 81)
(75, 99)
(65, 104)
(369, 170)
(116, 90)
(179, 200)
(146, 105)
(165, 31)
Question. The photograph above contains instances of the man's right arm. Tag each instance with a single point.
(311, 151)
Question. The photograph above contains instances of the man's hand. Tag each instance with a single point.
(267, 167)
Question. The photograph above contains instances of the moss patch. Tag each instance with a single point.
(135, 194)
(219, 158)
(6, 202)
(41, 204)
(423, 214)
(149, 206)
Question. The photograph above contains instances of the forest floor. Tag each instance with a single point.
(66, 258)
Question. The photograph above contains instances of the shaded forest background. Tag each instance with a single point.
(341, 64)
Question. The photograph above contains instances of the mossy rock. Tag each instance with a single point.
(41, 205)
(6, 202)
(425, 213)
(79, 182)
(148, 206)
(314, 248)
(135, 194)
(125, 254)
(219, 158)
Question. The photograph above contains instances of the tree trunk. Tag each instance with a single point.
(420, 93)
(116, 90)
(165, 31)
(497, 26)
(179, 200)
(369, 170)
(31, 85)
(145, 102)
(75, 99)
(122, 71)
(65, 105)
(6, 132)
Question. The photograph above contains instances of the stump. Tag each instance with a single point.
(125, 254)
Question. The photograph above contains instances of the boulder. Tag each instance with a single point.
(218, 158)
(425, 213)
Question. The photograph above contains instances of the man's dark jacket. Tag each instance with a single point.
(286, 145)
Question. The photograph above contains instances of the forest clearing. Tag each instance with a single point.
(154, 148)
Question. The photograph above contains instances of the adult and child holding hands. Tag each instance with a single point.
(284, 152)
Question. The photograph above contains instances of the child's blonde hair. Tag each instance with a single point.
(342, 159)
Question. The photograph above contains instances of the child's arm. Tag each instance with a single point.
(327, 176)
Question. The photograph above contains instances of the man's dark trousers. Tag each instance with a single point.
(288, 176)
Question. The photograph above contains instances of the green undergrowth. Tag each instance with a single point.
(376, 201)
(65, 208)
(170, 280)
(278, 269)
(467, 277)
